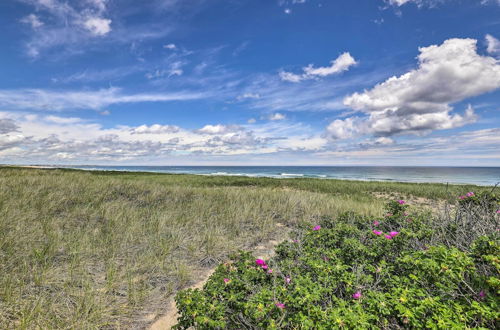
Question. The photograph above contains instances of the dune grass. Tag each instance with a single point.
(92, 249)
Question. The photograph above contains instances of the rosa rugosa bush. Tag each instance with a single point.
(398, 271)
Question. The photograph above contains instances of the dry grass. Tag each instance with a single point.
(99, 250)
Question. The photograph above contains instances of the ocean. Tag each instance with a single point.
(484, 176)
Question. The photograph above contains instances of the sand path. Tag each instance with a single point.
(167, 321)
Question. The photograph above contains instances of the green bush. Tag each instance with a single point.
(356, 272)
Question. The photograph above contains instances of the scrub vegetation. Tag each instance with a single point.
(93, 249)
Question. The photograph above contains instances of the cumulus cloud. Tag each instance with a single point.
(41, 99)
(493, 45)
(170, 46)
(420, 100)
(343, 129)
(339, 65)
(155, 129)
(218, 129)
(98, 26)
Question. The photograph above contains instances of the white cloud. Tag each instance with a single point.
(218, 129)
(342, 129)
(420, 100)
(400, 2)
(73, 27)
(277, 116)
(431, 3)
(251, 121)
(170, 46)
(63, 120)
(287, 11)
(339, 65)
(98, 26)
(493, 45)
(40, 99)
(175, 69)
(248, 96)
(155, 129)
(32, 20)
(291, 77)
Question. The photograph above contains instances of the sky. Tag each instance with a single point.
(250, 82)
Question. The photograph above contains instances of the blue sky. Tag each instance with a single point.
(250, 82)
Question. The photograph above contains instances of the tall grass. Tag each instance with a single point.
(96, 249)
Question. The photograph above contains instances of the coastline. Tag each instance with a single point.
(264, 172)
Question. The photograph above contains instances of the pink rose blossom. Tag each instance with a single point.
(264, 267)
(317, 228)
(280, 305)
(376, 232)
(401, 202)
(260, 262)
(388, 236)
(226, 280)
(357, 295)
(376, 223)
(498, 211)
(470, 194)
(394, 233)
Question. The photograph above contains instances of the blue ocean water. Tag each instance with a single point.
(453, 175)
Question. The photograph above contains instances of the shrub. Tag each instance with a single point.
(355, 272)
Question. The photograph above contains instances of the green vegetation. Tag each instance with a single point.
(405, 270)
(106, 249)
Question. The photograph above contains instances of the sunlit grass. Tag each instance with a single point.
(95, 249)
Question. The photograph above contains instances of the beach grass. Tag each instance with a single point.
(94, 249)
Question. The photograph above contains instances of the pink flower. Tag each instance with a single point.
(482, 294)
(470, 194)
(401, 202)
(260, 262)
(376, 232)
(264, 267)
(226, 280)
(317, 228)
(394, 233)
(376, 223)
(388, 236)
(461, 197)
(280, 305)
(288, 280)
(270, 271)
(357, 295)
(498, 211)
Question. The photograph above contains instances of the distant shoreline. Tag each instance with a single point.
(217, 171)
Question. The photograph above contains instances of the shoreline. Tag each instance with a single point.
(282, 176)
